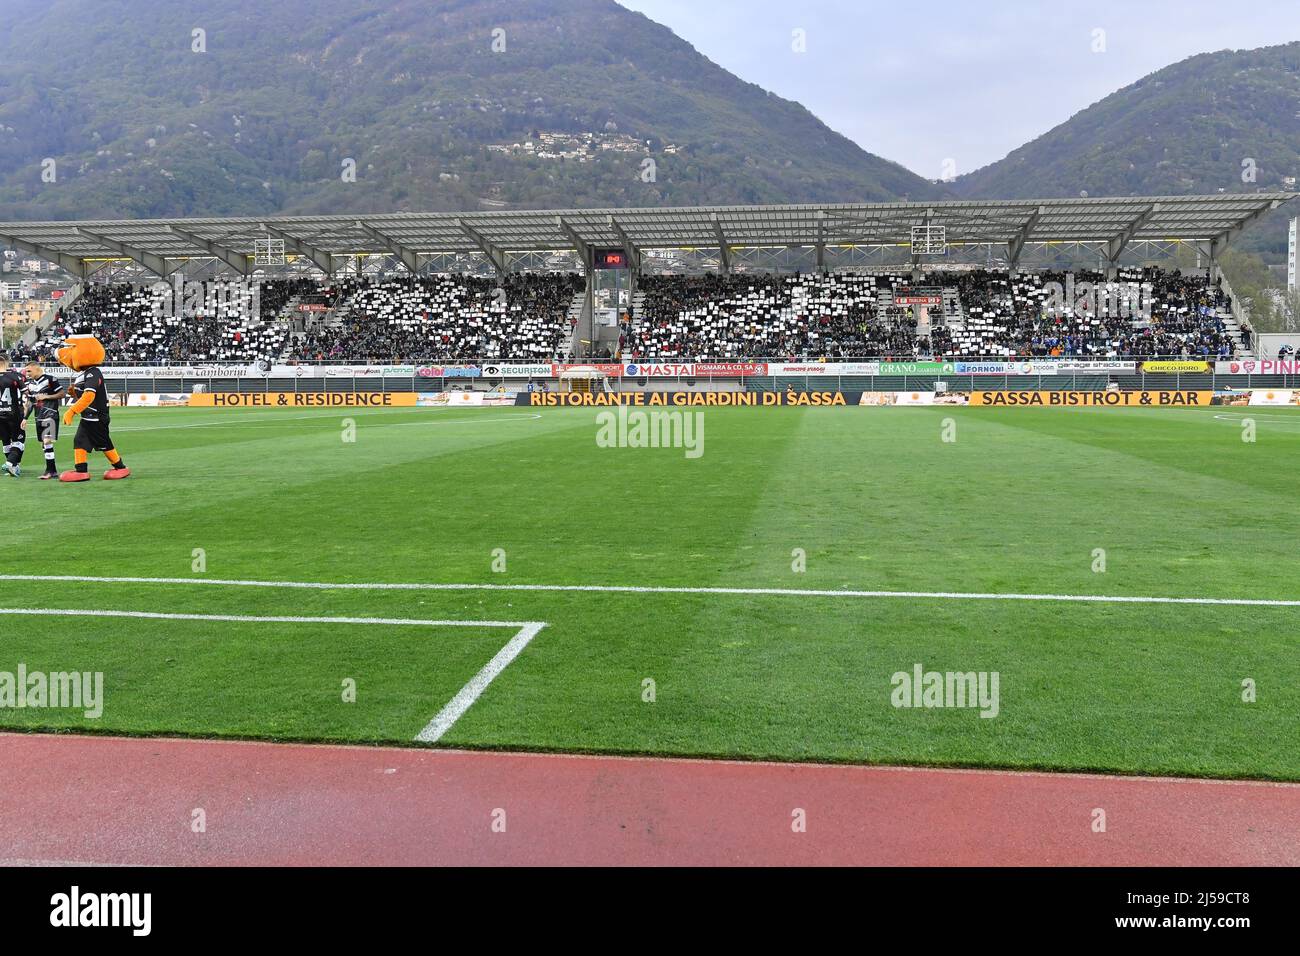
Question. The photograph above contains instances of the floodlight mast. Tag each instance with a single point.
(1291, 254)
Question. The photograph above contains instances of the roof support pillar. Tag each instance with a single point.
(1017, 244)
(630, 248)
(584, 250)
(724, 251)
(1116, 245)
(821, 240)
(588, 320)
(234, 260)
(408, 256)
(496, 255)
(323, 260)
(917, 271)
(66, 262)
(1219, 244)
(151, 261)
(633, 253)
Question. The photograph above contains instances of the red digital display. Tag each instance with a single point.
(610, 259)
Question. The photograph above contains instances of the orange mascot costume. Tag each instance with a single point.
(82, 354)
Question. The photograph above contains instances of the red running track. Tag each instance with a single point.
(69, 799)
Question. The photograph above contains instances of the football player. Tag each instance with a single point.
(13, 412)
(44, 392)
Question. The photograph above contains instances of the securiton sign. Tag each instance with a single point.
(517, 371)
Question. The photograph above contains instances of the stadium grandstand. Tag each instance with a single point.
(945, 280)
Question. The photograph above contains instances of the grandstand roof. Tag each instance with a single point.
(163, 245)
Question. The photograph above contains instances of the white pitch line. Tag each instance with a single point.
(456, 707)
(461, 421)
(636, 589)
(325, 416)
(254, 619)
(229, 423)
(441, 722)
(1237, 419)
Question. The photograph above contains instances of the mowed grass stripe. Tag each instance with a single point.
(879, 501)
(1164, 439)
(268, 679)
(1125, 688)
(993, 512)
(222, 488)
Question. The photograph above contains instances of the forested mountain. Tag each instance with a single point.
(141, 108)
(1218, 121)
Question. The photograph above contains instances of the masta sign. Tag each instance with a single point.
(657, 370)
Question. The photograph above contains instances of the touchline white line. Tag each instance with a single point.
(328, 418)
(441, 722)
(252, 618)
(637, 589)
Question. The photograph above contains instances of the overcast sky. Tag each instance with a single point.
(924, 81)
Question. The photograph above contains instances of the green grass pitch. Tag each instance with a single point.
(875, 500)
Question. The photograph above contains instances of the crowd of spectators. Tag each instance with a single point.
(526, 316)
(170, 323)
(444, 317)
(438, 317)
(838, 315)
(1141, 312)
(992, 314)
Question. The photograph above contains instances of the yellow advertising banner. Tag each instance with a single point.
(1175, 366)
(1064, 399)
(302, 399)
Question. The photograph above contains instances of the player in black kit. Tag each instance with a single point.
(44, 392)
(13, 411)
